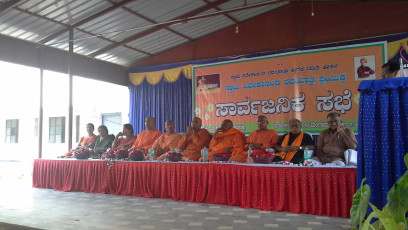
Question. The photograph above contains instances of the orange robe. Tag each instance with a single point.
(146, 139)
(232, 138)
(267, 138)
(126, 142)
(167, 141)
(192, 144)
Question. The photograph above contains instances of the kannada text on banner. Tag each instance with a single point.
(304, 85)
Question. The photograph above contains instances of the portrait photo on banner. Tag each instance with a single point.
(208, 83)
(364, 68)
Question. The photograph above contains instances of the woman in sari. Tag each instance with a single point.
(104, 140)
(124, 139)
(85, 141)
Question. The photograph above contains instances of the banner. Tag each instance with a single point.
(305, 85)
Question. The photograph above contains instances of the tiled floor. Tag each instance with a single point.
(49, 209)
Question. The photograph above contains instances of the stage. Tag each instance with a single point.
(308, 190)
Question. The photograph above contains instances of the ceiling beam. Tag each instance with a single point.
(83, 31)
(159, 27)
(226, 15)
(224, 11)
(103, 12)
(151, 21)
(8, 5)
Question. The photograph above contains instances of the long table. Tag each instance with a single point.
(310, 190)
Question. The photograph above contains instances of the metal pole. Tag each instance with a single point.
(70, 110)
(40, 118)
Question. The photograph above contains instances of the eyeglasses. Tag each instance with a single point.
(385, 72)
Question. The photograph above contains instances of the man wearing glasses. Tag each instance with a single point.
(390, 70)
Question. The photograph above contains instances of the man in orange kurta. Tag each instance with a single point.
(167, 141)
(262, 138)
(194, 140)
(146, 138)
(228, 140)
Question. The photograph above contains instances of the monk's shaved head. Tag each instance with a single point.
(262, 117)
(262, 122)
(169, 126)
(196, 123)
(226, 125)
(150, 123)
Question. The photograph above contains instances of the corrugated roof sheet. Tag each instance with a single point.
(114, 21)
(122, 56)
(67, 12)
(135, 22)
(198, 28)
(158, 42)
(160, 12)
(250, 13)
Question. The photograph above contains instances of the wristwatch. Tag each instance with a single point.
(300, 147)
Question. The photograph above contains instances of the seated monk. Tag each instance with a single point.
(167, 141)
(334, 141)
(104, 140)
(147, 137)
(262, 138)
(194, 140)
(124, 139)
(291, 145)
(228, 140)
(86, 141)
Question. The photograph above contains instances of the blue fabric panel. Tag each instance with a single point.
(382, 135)
(163, 101)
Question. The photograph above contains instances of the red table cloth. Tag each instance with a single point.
(312, 190)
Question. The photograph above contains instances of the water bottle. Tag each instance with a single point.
(249, 158)
(306, 154)
(204, 154)
(151, 153)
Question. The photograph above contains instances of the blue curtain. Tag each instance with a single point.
(163, 101)
(382, 135)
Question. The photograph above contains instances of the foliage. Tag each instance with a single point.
(392, 216)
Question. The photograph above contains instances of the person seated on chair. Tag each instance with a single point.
(104, 140)
(194, 140)
(228, 140)
(146, 138)
(85, 141)
(291, 145)
(334, 141)
(262, 138)
(124, 139)
(167, 141)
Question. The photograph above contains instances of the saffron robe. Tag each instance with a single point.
(167, 142)
(232, 138)
(146, 139)
(192, 144)
(267, 138)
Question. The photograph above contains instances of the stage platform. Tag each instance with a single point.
(309, 190)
